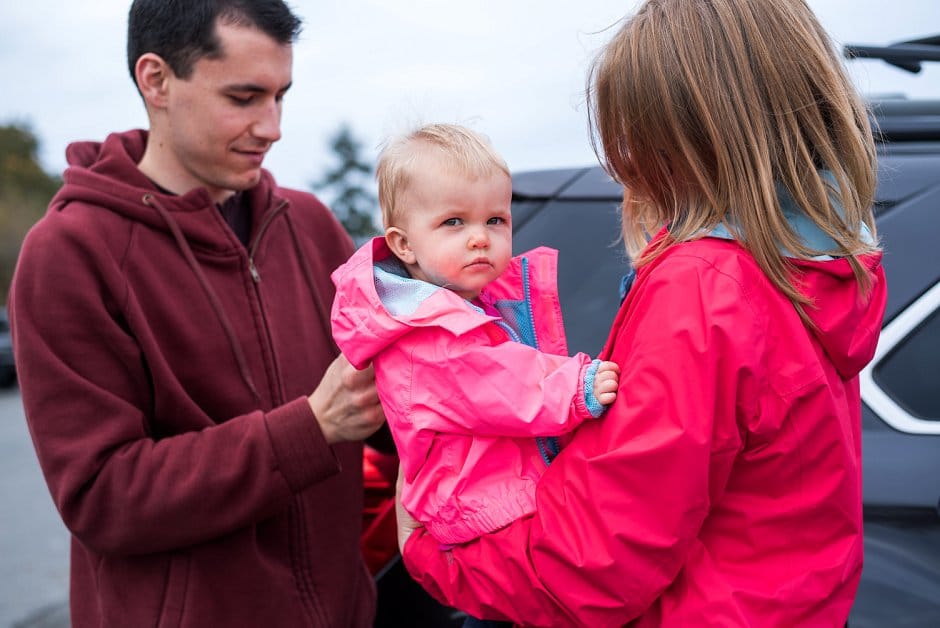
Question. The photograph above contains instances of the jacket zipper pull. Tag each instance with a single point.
(253, 271)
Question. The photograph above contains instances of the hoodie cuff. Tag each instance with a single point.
(303, 455)
(595, 407)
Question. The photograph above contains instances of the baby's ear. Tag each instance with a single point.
(397, 241)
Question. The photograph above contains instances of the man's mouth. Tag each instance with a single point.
(254, 155)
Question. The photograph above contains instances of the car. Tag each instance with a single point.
(7, 365)
(577, 212)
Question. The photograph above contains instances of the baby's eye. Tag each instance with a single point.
(496, 220)
(451, 222)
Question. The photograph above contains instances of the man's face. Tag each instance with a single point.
(221, 121)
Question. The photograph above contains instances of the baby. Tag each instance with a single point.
(469, 350)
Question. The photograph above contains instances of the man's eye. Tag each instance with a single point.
(241, 100)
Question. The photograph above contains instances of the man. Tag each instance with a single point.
(198, 433)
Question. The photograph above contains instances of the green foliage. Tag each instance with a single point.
(347, 186)
(25, 191)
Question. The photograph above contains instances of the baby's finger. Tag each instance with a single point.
(606, 377)
(601, 386)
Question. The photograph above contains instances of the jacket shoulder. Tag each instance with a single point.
(76, 226)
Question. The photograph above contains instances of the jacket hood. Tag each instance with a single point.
(364, 324)
(105, 175)
(376, 302)
(847, 320)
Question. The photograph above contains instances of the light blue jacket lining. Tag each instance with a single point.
(809, 232)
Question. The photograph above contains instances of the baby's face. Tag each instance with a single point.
(458, 229)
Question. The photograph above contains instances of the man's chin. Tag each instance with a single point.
(245, 181)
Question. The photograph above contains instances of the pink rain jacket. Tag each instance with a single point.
(464, 402)
(722, 488)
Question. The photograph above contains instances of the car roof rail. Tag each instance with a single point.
(907, 55)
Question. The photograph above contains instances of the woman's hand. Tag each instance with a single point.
(406, 523)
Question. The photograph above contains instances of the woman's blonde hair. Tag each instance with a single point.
(704, 109)
(460, 148)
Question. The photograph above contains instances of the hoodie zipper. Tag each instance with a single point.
(255, 275)
(299, 549)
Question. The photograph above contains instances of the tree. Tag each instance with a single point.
(25, 191)
(347, 185)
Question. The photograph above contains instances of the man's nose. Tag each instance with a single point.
(268, 125)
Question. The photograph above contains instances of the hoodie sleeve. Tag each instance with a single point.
(465, 385)
(119, 487)
(620, 509)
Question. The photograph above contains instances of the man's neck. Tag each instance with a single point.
(163, 175)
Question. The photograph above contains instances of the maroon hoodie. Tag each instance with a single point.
(164, 369)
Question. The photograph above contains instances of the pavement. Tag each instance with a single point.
(34, 544)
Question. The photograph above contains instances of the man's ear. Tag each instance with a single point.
(153, 77)
(397, 241)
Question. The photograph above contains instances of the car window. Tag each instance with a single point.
(591, 262)
(909, 373)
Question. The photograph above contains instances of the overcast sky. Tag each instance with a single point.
(513, 70)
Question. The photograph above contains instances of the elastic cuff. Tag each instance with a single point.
(303, 455)
(595, 407)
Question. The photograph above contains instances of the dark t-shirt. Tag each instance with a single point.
(236, 211)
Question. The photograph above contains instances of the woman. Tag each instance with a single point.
(724, 485)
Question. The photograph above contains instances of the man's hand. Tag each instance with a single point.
(406, 523)
(346, 403)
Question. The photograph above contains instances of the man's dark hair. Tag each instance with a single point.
(183, 31)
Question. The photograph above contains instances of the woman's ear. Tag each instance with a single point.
(397, 241)
(153, 76)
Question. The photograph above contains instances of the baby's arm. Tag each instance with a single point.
(467, 386)
(606, 379)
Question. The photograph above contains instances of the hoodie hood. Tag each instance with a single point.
(105, 175)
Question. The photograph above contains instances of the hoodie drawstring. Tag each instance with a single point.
(151, 201)
(324, 312)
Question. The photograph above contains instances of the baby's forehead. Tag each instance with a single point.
(467, 160)
(442, 180)
(446, 163)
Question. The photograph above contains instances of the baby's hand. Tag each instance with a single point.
(606, 379)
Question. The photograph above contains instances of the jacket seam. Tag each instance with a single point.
(124, 299)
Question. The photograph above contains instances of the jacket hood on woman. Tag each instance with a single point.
(464, 402)
(165, 369)
(723, 487)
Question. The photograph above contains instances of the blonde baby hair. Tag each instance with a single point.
(461, 148)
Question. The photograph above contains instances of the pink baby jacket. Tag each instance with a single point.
(472, 400)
